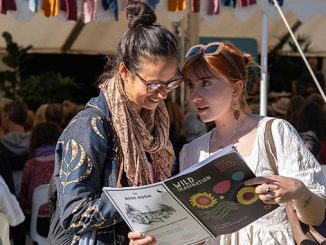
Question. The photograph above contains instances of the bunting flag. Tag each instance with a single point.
(246, 3)
(34, 5)
(113, 5)
(195, 6)
(50, 8)
(62, 5)
(153, 3)
(89, 11)
(177, 5)
(71, 9)
(229, 2)
(280, 2)
(213, 7)
(6, 5)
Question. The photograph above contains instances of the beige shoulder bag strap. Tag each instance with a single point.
(270, 146)
(299, 235)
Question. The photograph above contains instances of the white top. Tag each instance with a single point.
(9, 205)
(293, 160)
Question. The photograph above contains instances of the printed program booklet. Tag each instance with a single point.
(204, 201)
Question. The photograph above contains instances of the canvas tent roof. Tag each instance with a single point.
(57, 35)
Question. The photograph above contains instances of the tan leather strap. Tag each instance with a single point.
(300, 236)
(270, 146)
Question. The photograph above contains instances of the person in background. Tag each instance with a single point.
(295, 105)
(306, 85)
(120, 139)
(69, 110)
(313, 119)
(280, 107)
(39, 115)
(216, 75)
(54, 113)
(175, 135)
(193, 127)
(29, 121)
(38, 171)
(14, 144)
(9, 206)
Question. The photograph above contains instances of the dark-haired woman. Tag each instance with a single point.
(120, 139)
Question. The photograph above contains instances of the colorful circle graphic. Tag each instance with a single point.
(247, 195)
(203, 200)
(239, 175)
(222, 187)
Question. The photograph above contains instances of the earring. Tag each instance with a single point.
(236, 111)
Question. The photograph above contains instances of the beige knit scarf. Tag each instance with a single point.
(147, 153)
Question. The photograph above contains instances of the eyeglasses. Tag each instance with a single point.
(168, 85)
(212, 49)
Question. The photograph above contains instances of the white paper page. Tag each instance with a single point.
(152, 210)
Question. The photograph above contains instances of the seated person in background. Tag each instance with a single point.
(312, 118)
(69, 110)
(39, 116)
(9, 206)
(54, 113)
(311, 141)
(280, 107)
(306, 85)
(295, 105)
(193, 127)
(38, 170)
(14, 144)
(29, 121)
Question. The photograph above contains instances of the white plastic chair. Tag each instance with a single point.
(4, 230)
(40, 197)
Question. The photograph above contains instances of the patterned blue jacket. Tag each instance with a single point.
(86, 161)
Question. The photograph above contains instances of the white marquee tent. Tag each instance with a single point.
(52, 34)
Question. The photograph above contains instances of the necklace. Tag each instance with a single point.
(235, 131)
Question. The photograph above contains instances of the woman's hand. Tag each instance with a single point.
(137, 238)
(279, 189)
(273, 189)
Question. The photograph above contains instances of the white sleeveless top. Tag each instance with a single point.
(293, 160)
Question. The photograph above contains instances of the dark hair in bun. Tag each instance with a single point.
(144, 39)
(139, 14)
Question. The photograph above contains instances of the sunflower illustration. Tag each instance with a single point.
(203, 200)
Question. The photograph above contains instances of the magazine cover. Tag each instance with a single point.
(216, 195)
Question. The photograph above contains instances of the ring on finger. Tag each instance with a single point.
(268, 189)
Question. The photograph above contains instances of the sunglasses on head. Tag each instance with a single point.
(211, 49)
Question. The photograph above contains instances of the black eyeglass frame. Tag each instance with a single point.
(202, 49)
(158, 86)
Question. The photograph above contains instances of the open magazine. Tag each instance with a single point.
(204, 201)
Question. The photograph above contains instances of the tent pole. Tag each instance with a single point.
(263, 64)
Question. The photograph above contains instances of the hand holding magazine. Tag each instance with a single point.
(204, 201)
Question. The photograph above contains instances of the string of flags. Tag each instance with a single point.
(87, 10)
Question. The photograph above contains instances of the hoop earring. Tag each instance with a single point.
(236, 111)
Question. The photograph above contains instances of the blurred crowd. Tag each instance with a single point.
(27, 147)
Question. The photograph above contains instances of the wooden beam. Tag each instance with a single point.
(72, 36)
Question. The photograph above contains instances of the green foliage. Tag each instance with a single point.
(16, 59)
(35, 89)
(48, 87)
